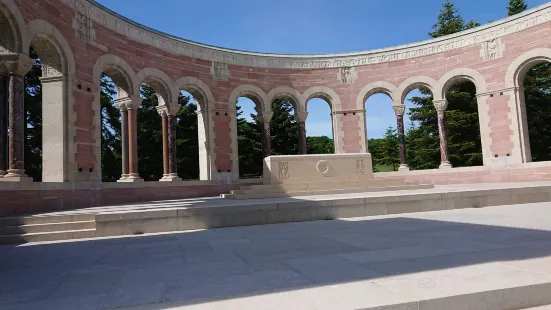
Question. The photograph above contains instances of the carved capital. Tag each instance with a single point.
(399, 110)
(168, 110)
(301, 116)
(128, 103)
(15, 64)
(440, 104)
(267, 116)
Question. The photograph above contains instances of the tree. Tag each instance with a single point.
(284, 128)
(33, 118)
(187, 139)
(250, 146)
(111, 144)
(320, 145)
(388, 150)
(516, 6)
(462, 113)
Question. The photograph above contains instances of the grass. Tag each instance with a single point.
(384, 168)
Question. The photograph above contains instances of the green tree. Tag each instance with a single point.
(462, 114)
(284, 128)
(388, 153)
(187, 139)
(319, 145)
(516, 6)
(150, 137)
(250, 146)
(111, 145)
(33, 118)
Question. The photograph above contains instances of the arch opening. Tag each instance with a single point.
(319, 125)
(381, 135)
(251, 144)
(284, 126)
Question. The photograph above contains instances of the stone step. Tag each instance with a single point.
(44, 219)
(47, 227)
(48, 236)
(283, 194)
(333, 185)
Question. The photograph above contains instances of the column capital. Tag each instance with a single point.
(301, 116)
(128, 103)
(167, 110)
(267, 116)
(440, 104)
(15, 64)
(399, 110)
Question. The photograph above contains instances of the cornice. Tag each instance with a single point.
(143, 34)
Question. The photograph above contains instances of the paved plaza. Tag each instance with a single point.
(399, 261)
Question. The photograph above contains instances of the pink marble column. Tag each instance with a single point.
(267, 117)
(441, 106)
(301, 117)
(132, 107)
(17, 68)
(399, 112)
(124, 138)
(170, 166)
(3, 125)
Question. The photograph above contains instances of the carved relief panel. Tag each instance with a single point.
(492, 49)
(347, 75)
(283, 170)
(219, 71)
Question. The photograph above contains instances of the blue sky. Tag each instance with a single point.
(306, 27)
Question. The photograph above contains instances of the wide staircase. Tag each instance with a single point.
(38, 228)
(323, 188)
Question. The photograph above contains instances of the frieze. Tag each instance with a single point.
(487, 33)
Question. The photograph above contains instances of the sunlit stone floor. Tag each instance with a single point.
(426, 260)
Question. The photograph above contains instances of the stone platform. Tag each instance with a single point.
(204, 213)
(491, 258)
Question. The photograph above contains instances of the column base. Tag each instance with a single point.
(445, 165)
(16, 175)
(132, 178)
(403, 167)
(170, 178)
(2, 173)
(123, 178)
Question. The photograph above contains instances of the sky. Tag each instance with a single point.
(307, 27)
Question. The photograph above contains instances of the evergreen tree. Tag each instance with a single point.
(33, 118)
(150, 136)
(250, 146)
(462, 114)
(111, 144)
(516, 6)
(388, 152)
(187, 140)
(284, 128)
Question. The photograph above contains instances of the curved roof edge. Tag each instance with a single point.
(146, 35)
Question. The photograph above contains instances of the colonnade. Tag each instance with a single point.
(267, 137)
(440, 106)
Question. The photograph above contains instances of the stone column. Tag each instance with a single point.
(267, 117)
(121, 103)
(301, 118)
(17, 67)
(399, 112)
(3, 125)
(132, 107)
(170, 167)
(441, 106)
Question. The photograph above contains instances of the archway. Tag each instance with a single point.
(319, 126)
(250, 136)
(284, 126)
(381, 135)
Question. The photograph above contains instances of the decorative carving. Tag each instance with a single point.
(399, 110)
(347, 75)
(323, 167)
(16, 64)
(83, 27)
(283, 170)
(169, 110)
(49, 57)
(360, 166)
(219, 71)
(440, 105)
(182, 47)
(82, 23)
(492, 49)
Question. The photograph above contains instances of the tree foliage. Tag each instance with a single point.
(516, 6)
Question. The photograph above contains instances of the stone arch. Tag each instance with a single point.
(379, 87)
(411, 84)
(161, 83)
(202, 93)
(257, 95)
(286, 91)
(14, 36)
(324, 93)
(58, 76)
(120, 72)
(518, 68)
(446, 81)
(514, 78)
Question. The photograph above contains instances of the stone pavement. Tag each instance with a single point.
(457, 259)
